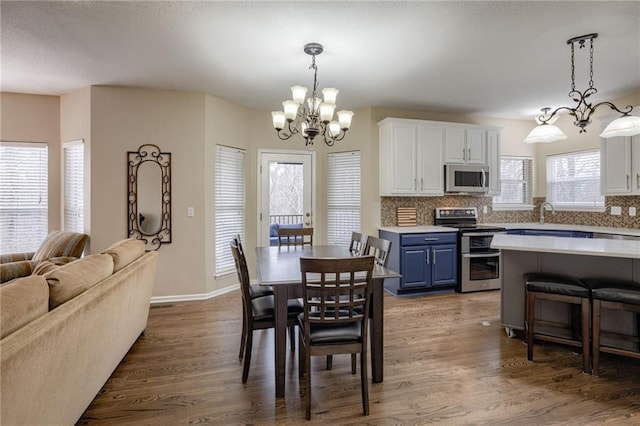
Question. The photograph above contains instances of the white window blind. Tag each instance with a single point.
(515, 181)
(23, 196)
(73, 207)
(573, 180)
(229, 203)
(343, 196)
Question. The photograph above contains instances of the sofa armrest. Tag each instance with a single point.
(9, 271)
(16, 257)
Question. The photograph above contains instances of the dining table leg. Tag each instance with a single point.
(376, 331)
(280, 301)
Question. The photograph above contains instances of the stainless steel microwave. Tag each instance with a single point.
(466, 178)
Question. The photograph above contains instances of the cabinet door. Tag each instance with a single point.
(403, 159)
(615, 169)
(416, 270)
(635, 169)
(476, 147)
(444, 264)
(455, 148)
(493, 161)
(431, 170)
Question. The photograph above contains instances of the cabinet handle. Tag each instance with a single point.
(428, 256)
(431, 239)
(415, 183)
(469, 152)
(434, 255)
(638, 181)
(464, 154)
(421, 184)
(628, 185)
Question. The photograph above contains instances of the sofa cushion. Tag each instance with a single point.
(60, 243)
(71, 279)
(124, 252)
(21, 301)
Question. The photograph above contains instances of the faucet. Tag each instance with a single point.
(542, 206)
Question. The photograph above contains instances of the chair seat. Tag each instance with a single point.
(556, 284)
(256, 290)
(263, 308)
(615, 290)
(320, 334)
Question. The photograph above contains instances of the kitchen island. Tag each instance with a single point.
(577, 257)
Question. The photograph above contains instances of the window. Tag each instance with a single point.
(573, 181)
(73, 158)
(229, 204)
(23, 196)
(515, 183)
(343, 196)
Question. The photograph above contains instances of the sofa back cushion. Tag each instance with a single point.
(58, 243)
(68, 281)
(124, 252)
(21, 301)
(12, 270)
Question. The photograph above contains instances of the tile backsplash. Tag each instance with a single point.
(427, 205)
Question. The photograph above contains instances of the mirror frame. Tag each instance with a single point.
(149, 153)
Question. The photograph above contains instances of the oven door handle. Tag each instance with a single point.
(482, 234)
(481, 255)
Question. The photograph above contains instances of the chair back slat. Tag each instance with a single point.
(336, 290)
(380, 248)
(358, 243)
(295, 236)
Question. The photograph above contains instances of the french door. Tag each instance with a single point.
(287, 191)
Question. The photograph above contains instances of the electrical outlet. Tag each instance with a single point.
(616, 210)
(191, 211)
(632, 211)
(485, 209)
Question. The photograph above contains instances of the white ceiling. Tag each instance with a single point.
(501, 58)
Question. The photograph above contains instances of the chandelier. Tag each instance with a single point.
(315, 117)
(626, 125)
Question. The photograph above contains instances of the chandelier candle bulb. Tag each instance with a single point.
(278, 119)
(330, 94)
(290, 110)
(334, 128)
(326, 111)
(344, 118)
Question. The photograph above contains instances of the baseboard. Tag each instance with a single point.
(193, 297)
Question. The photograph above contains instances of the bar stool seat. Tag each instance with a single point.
(565, 289)
(615, 294)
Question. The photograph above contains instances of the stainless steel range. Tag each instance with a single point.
(478, 263)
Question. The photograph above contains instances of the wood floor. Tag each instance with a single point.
(447, 361)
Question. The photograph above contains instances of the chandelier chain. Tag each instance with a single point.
(573, 70)
(591, 64)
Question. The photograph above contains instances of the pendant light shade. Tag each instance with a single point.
(628, 125)
(545, 133)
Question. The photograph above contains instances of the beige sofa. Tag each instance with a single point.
(64, 332)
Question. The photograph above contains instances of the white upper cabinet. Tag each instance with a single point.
(412, 154)
(465, 146)
(620, 165)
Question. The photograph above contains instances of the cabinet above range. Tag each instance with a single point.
(413, 154)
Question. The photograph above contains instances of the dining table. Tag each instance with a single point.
(279, 267)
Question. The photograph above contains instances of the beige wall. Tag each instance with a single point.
(36, 118)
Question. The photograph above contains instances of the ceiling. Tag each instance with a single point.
(502, 58)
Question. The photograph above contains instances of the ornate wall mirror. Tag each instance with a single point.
(149, 196)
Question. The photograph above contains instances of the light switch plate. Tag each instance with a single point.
(632, 211)
(616, 210)
(191, 211)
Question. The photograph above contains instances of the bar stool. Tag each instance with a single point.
(559, 288)
(615, 294)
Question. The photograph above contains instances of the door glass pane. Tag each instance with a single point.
(286, 190)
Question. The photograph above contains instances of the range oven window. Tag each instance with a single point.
(484, 267)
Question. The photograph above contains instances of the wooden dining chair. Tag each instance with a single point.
(336, 295)
(295, 236)
(358, 243)
(258, 312)
(380, 248)
(255, 290)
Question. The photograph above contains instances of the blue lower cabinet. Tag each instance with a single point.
(426, 261)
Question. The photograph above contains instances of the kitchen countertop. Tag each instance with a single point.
(568, 227)
(567, 245)
(417, 229)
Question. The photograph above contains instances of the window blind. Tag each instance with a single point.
(229, 203)
(573, 180)
(343, 196)
(73, 207)
(515, 181)
(23, 196)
